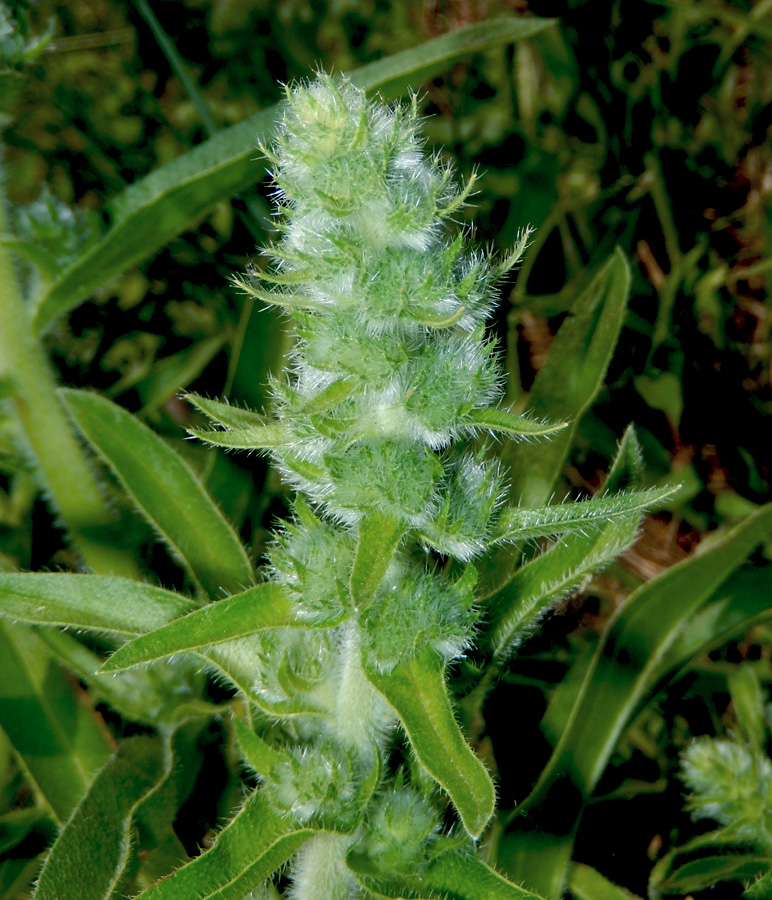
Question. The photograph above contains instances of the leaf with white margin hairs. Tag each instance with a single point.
(246, 852)
(417, 691)
(457, 874)
(256, 609)
(165, 490)
(513, 426)
(91, 853)
(522, 523)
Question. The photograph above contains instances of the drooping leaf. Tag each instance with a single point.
(57, 739)
(418, 693)
(155, 209)
(247, 851)
(625, 668)
(165, 490)
(570, 378)
(89, 856)
(263, 606)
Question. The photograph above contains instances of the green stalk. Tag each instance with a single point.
(63, 470)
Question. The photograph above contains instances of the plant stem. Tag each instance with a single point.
(64, 472)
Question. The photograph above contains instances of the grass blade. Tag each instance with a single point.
(166, 492)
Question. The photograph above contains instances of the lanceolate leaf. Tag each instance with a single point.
(625, 668)
(155, 209)
(89, 602)
(378, 538)
(92, 851)
(504, 422)
(246, 852)
(456, 874)
(56, 738)
(256, 753)
(264, 606)
(227, 414)
(418, 693)
(571, 377)
(521, 523)
(165, 490)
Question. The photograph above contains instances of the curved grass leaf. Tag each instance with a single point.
(156, 208)
(626, 666)
(521, 523)
(104, 603)
(417, 692)
(57, 739)
(247, 851)
(91, 853)
(165, 490)
(571, 377)
(263, 606)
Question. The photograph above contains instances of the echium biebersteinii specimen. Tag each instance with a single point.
(391, 373)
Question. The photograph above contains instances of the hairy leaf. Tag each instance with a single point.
(165, 490)
(378, 537)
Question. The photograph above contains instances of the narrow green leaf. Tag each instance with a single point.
(170, 200)
(585, 883)
(255, 752)
(268, 437)
(515, 426)
(627, 665)
(263, 606)
(522, 523)
(91, 853)
(248, 850)
(420, 698)
(378, 538)
(173, 373)
(165, 490)
(571, 377)
(517, 606)
(457, 875)
(226, 414)
(330, 397)
(748, 702)
(104, 603)
(57, 739)
(707, 872)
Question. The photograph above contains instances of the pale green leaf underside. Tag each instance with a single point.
(420, 698)
(521, 523)
(263, 606)
(251, 847)
(91, 852)
(155, 209)
(165, 490)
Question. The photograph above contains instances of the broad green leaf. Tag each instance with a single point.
(624, 670)
(457, 875)
(516, 607)
(247, 851)
(418, 693)
(378, 538)
(514, 426)
(585, 883)
(263, 606)
(165, 490)
(256, 753)
(571, 377)
(155, 209)
(521, 523)
(104, 603)
(57, 739)
(91, 853)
